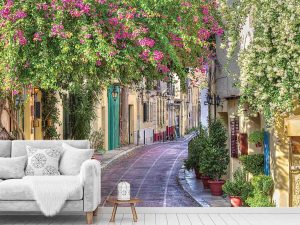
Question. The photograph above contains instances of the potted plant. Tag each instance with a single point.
(195, 147)
(239, 189)
(262, 192)
(214, 160)
(256, 138)
(253, 164)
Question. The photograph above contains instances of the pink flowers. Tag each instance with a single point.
(88, 36)
(203, 34)
(19, 36)
(113, 21)
(37, 37)
(145, 55)
(158, 55)
(205, 10)
(146, 42)
(163, 68)
(57, 30)
(20, 15)
(98, 62)
(101, 1)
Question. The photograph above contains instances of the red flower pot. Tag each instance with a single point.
(198, 174)
(258, 144)
(216, 187)
(205, 180)
(236, 201)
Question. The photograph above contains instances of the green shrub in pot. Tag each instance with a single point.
(239, 186)
(253, 164)
(214, 160)
(195, 147)
(262, 192)
(256, 137)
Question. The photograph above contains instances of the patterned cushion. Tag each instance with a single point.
(42, 161)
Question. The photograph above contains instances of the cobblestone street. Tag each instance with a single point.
(152, 172)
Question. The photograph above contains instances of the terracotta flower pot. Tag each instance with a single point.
(258, 144)
(198, 174)
(216, 187)
(236, 201)
(205, 180)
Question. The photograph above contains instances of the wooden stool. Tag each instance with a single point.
(116, 203)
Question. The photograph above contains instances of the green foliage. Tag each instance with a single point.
(239, 186)
(269, 65)
(262, 192)
(97, 140)
(256, 137)
(82, 111)
(50, 114)
(253, 164)
(214, 159)
(195, 147)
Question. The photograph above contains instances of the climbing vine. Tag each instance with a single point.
(270, 63)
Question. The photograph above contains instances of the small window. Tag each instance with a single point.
(146, 112)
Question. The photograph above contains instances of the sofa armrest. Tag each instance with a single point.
(90, 175)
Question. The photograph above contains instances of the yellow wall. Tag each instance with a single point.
(30, 132)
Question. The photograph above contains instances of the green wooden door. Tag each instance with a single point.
(113, 119)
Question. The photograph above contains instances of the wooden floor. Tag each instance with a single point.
(172, 216)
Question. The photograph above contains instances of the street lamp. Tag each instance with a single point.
(214, 100)
(115, 93)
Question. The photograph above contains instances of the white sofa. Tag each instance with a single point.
(16, 196)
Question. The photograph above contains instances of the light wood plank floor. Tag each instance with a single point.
(168, 216)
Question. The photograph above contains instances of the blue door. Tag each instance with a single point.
(267, 153)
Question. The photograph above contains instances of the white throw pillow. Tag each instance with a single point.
(72, 159)
(42, 162)
(12, 168)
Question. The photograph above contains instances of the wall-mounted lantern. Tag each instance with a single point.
(115, 93)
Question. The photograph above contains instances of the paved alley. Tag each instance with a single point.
(152, 172)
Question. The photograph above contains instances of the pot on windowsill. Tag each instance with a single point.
(216, 187)
(258, 144)
(235, 201)
(205, 180)
(198, 174)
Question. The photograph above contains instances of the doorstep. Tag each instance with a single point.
(194, 188)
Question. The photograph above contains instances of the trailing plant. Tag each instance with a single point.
(215, 158)
(256, 137)
(262, 192)
(81, 109)
(97, 140)
(239, 186)
(253, 164)
(269, 63)
(50, 115)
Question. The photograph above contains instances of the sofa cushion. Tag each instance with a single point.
(18, 189)
(19, 146)
(42, 162)
(5, 148)
(72, 159)
(12, 168)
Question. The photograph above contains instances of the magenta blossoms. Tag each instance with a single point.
(146, 42)
(158, 55)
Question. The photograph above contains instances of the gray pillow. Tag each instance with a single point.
(12, 168)
(72, 159)
(42, 162)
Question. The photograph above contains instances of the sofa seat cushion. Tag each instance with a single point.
(18, 189)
